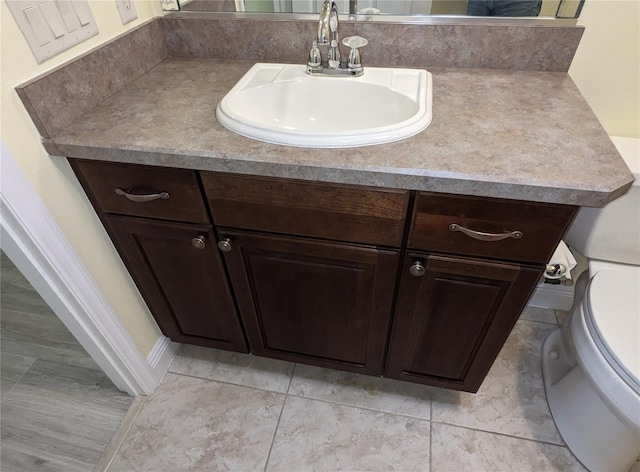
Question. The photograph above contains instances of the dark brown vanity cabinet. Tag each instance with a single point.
(179, 272)
(316, 302)
(453, 316)
(158, 222)
(312, 268)
(471, 267)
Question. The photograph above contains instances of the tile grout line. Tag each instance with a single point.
(228, 383)
(357, 407)
(548, 443)
(275, 431)
(293, 371)
(430, 431)
(538, 321)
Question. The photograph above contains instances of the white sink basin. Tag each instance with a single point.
(282, 104)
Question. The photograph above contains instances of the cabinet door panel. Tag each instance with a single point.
(451, 322)
(451, 341)
(185, 287)
(314, 302)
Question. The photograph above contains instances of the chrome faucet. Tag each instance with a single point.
(328, 24)
(328, 36)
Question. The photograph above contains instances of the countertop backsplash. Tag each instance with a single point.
(477, 45)
(508, 121)
(59, 97)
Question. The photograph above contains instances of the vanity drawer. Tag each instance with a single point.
(135, 190)
(521, 231)
(328, 211)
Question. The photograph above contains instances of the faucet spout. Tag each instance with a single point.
(328, 24)
(328, 36)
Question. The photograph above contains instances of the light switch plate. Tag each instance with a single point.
(127, 10)
(53, 26)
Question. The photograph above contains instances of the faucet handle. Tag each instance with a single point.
(315, 59)
(333, 56)
(354, 42)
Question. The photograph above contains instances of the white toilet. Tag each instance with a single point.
(591, 366)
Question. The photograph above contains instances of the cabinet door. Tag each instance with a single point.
(179, 272)
(314, 302)
(453, 315)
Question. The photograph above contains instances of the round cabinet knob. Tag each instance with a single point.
(198, 242)
(225, 245)
(417, 269)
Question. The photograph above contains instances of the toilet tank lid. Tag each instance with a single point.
(613, 300)
(629, 149)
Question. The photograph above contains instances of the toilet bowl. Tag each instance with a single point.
(591, 365)
(592, 373)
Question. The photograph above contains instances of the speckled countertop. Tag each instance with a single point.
(498, 133)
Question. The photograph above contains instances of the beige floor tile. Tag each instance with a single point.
(543, 315)
(192, 424)
(314, 435)
(511, 400)
(375, 393)
(233, 367)
(460, 449)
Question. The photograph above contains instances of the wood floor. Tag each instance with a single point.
(58, 409)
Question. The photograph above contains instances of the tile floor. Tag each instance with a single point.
(223, 411)
(58, 409)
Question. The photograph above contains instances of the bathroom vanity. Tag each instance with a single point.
(411, 260)
(327, 274)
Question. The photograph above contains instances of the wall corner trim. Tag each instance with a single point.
(37, 246)
(161, 355)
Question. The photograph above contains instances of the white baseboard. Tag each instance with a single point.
(555, 297)
(160, 357)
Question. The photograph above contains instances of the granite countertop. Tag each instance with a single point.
(498, 133)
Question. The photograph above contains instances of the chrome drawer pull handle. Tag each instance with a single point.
(485, 236)
(142, 198)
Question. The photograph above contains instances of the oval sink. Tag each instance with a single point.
(282, 104)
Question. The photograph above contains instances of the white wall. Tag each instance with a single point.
(53, 178)
(606, 67)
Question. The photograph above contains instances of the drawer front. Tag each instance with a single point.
(153, 192)
(487, 227)
(329, 211)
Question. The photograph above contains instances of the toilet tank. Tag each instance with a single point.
(612, 233)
